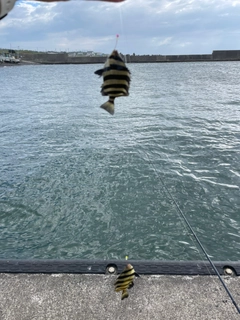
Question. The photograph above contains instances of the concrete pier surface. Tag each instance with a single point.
(89, 296)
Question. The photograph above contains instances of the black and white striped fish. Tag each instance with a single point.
(125, 280)
(116, 80)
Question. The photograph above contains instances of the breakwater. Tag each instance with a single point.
(64, 58)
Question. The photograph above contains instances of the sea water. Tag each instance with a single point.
(78, 183)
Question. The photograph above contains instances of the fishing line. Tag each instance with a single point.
(117, 36)
(195, 236)
(122, 29)
(189, 234)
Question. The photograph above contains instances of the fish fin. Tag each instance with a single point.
(124, 294)
(131, 284)
(108, 106)
(99, 72)
(137, 275)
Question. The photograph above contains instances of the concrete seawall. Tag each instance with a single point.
(64, 58)
(84, 290)
(90, 297)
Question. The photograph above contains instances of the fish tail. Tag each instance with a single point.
(124, 294)
(109, 105)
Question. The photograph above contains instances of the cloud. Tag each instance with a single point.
(145, 27)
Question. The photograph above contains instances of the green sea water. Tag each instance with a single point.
(78, 183)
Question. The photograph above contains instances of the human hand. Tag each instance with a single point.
(7, 5)
(86, 0)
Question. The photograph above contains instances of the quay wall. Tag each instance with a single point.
(168, 58)
(61, 58)
(226, 55)
(64, 58)
(92, 297)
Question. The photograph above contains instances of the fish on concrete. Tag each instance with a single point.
(125, 280)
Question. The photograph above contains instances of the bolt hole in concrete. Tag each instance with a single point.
(111, 269)
(229, 271)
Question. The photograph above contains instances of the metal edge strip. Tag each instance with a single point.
(147, 267)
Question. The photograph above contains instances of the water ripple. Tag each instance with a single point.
(77, 183)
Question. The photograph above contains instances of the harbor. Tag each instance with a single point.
(28, 57)
(10, 57)
(78, 184)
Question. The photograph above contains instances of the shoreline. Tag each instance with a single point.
(32, 63)
(21, 63)
(65, 58)
(53, 58)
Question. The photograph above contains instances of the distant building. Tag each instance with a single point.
(86, 54)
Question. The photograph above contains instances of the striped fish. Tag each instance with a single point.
(116, 79)
(125, 280)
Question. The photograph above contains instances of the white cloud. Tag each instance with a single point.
(145, 27)
(161, 41)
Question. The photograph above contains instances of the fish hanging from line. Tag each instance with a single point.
(116, 80)
(125, 280)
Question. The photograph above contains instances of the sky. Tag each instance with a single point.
(144, 26)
